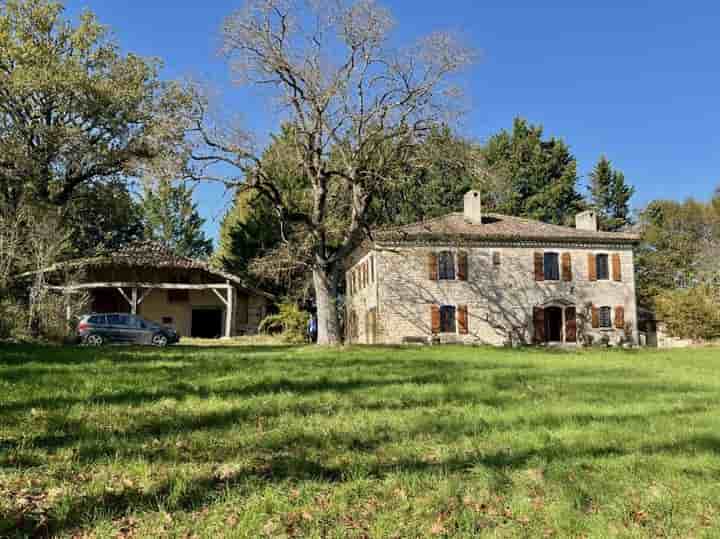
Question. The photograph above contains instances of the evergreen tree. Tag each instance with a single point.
(249, 229)
(531, 176)
(172, 218)
(610, 196)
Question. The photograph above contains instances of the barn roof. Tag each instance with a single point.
(150, 254)
(496, 227)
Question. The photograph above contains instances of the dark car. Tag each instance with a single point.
(98, 329)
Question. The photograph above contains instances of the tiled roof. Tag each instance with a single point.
(495, 227)
(151, 254)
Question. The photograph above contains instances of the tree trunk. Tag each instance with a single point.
(326, 294)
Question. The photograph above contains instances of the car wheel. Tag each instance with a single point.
(159, 340)
(94, 340)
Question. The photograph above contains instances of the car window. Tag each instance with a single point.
(139, 323)
(117, 319)
(97, 320)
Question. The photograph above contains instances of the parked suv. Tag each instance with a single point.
(98, 329)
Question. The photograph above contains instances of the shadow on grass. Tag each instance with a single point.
(284, 468)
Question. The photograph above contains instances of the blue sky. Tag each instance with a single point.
(638, 81)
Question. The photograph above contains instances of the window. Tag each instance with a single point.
(137, 323)
(167, 319)
(496, 258)
(372, 269)
(551, 267)
(178, 296)
(97, 319)
(605, 317)
(118, 320)
(446, 266)
(447, 319)
(602, 267)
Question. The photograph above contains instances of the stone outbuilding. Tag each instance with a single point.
(148, 279)
(472, 277)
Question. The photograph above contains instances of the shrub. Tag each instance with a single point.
(290, 321)
(692, 313)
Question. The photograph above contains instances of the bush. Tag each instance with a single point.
(13, 320)
(291, 322)
(692, 313)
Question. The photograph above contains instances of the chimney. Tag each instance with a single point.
(473, 207)
(586, 220)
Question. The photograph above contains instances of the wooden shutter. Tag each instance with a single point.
(570, 324)
(462, 314)
(462, 262)
(539, 269)
(592, 268)
(432, 266)
(539, 324)
(616, 269)
(595, 316)
(620, 317)
(435, 319)
(566, 267)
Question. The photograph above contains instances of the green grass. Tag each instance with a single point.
(274, 441)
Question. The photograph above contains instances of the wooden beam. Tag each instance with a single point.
(166, 286)
(219, 295)
(145, 294)
(123, 294)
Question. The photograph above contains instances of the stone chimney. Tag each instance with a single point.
(473, 207)
(586, 220)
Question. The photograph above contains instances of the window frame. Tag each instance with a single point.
(608, 309)
(598, 275)
(445, 264)
(454, 321)
(547, 275)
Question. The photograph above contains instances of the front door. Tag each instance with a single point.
(553, 324)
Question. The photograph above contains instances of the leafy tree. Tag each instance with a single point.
(171, 217)
(249, 229)
(103, 216)
(442, 169)
(73, 109)
(531, 176)
(610, 196)
(678, 239)
(358, 106)
(692, 313)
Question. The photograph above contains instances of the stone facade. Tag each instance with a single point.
(497, 294)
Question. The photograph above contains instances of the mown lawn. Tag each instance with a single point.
(273, 441)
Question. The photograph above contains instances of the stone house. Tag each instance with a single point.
(486, 278)
(150, 280)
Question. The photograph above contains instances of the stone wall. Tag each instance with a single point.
(500, 297)
(362, 302)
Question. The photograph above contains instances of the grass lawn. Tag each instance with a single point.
(274, 441)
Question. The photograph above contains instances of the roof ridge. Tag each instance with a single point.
(421, 222)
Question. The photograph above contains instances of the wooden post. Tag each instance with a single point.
(229, 306)
(68, 313)
(134, 302)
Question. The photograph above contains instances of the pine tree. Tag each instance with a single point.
(610, 196)
(531, 176)
(172, 218)
(248, 230)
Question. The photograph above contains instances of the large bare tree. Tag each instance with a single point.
(358, 105)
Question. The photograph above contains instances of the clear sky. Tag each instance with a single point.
(636, 80)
